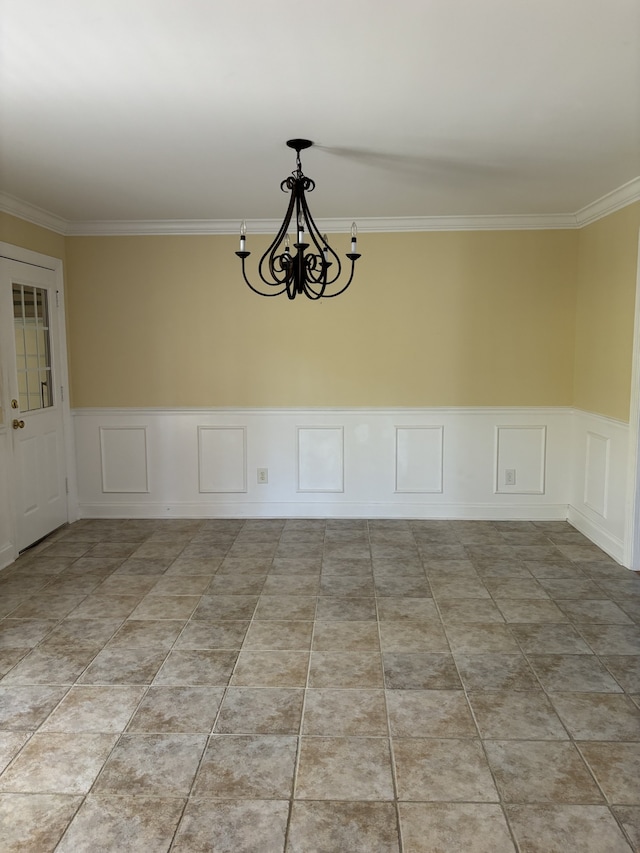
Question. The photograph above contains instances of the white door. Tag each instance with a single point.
(30, 354)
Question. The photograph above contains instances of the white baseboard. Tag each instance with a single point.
(322, 509)
(598, 534)
(7, 555)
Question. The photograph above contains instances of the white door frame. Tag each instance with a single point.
(632, 526)
(16, 253)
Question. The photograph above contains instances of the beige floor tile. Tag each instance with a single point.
(495, 671)
(429, 714)
(509, 714)
(420, 671)
(598, 716)
(94, 709)
(181, 710)
(346, 669)
(616, 767)
(252, 767)
(152, 764)
(197, 666)
(34, 823)
(237, 826)
(551, 828)
(275, 635)
(337, 713)
(408, 636)
(137, 825)
(260, 710)
(446, 770)
(337, 826)
(348, 768)
(541, 772)
(57, 763)
(454, 827)
(271, 669)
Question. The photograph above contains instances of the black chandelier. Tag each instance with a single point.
(306, 272)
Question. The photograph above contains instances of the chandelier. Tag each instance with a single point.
(314, 268)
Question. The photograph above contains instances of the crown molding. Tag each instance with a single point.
(31, 213)
(609, 203)
(615, 200)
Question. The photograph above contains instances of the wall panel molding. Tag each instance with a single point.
(419, 459)
(123, 459)
(222, 459)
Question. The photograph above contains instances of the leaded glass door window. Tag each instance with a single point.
(33, 347)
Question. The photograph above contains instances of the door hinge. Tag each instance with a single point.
(66, 484)
(62, 393)
(57, 298)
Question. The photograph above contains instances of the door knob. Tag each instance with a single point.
(17, 424)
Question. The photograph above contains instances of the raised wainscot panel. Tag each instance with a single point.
(320, 459)
(521, 459)
(596, 473)
(222, 459)
(123, 456)
(419, 459)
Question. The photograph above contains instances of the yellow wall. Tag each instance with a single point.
(607, 268)
(33, 237)
(432, 319)
(537, 318)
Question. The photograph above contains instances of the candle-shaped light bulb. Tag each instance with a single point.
(243, 235)
(325, 248)
(354, 236)
(300, 228)
(286, 244)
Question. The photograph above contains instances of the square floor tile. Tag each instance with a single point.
(33, 823)
(509, 714)
(271, 669)
(345, 712)
(236, 826)
(598, 716)
(420, 671)
(181, 710)
(541, 772)
(58, 763)
(454, 827)
(573, 673)
(345, 669)
(430, 769)
(94, 709)
(359, 827)
(429, 714)
(549, 828)
(616, 767)
(152, 764)
(495, 671)
(247, 767)
(137, 825)
(348, 768)
(260, 710)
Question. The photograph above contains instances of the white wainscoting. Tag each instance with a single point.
(599, 464)
(411, 463)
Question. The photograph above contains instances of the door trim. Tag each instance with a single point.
(27, 256)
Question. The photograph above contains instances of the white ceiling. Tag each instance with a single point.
(180, 109)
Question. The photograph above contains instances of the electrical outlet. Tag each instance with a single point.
(263, 475)
(509, 476)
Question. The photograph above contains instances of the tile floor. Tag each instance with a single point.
(272, 685)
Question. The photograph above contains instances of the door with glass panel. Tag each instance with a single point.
(29, 341)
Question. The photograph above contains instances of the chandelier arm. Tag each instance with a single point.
(270, 254)
(255, 290)
(320, 244)
(353, 258)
